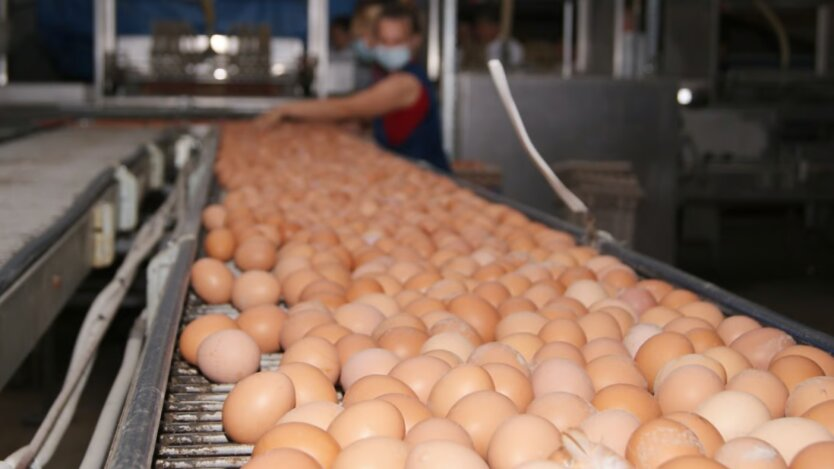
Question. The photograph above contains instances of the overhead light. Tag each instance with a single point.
(219, 43)
(220, 74)
(278, 69)
(685, 96)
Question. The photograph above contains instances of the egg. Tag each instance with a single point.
(761, 345)
(316, 413)
(365, 420)
(255, 404)
(638, 335)
(692, 462)
(412, 410)
(586, 292)
(612, 428)
(614, 369)
(822, 413)
(404, 342)
(263, 323)
(212, 281)
(707, 434)
(598, 324)
(469, 413)
(563, 330)
(809, 393)
(197, 330)
(373, 386)
(601, 347)
(373, 453)
(255, 253)
(433, 454)
(630, 398)
(309, 382)
(451, 342)
(659, 350)
(219, 244)
(495, 352)
(227, 356)
(659, 441)
(372, 361)
(794, 369)
(283, 456)
(558, 350)
(563, 410)
(811, 456)
(561, 375)
(659, 316)
(823, 359)
(304, 437)
(477, 312)
(420, 374)
(316, 352)
(511, 383)
(352, 344)
(734, 413)
(765, 386)
(687, 387)
(749, 453)
(330, 332)
(790, 435)
(255, 288)
(691, 359)
(438, 429)
(214, 217)
(520, 439)
(456, 384)
(733, 327)
(732, 361)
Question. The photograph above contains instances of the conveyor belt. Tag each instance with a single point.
(182, 410)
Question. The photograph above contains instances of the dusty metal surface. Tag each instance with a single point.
(41, 176)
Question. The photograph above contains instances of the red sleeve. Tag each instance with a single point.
(400, 124)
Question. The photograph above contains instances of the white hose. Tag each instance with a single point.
(109, 417)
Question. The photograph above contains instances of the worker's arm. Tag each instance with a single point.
(395, 92)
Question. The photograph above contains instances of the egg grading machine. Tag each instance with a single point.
(172, 414)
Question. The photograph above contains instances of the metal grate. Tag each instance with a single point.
(190, 432)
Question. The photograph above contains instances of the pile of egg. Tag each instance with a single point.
(423, 326)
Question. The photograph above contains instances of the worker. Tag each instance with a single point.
(362, 29)
(402, 103)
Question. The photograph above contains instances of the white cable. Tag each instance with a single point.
(109, 417)
(499, 78)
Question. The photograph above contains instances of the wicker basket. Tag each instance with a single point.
(479, 173)
(611, 191)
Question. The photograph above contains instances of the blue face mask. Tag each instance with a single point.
(392, 58)
(363, 52)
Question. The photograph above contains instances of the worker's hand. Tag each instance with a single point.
(270, 118)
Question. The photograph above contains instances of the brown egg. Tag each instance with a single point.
(304, 437)
(733, 413)
(561, 375)
(659, 441)
(563, 308)
(525, 344)
(790, 435)
(438, 429)
(559, 350)
(516, 304)
(659, 316)
(433, 454)
(456, 326)
(197, 330)
(563, 330)
(351, 344)
(624, 318)
(359, 318)
(263, 323)
(824, 360)
(749, 453)
(601, 347)
(361, 287)
(469, 413)
(373, 386)
(214, 217)
(516, 284)
(493, 292)
(310, 383)
(733, 327)
(598, 324)
(520, 439)
(638, 335)
(405, 342)
(686, 387)
(383, 302)
(227, 356)
(705, 431)
(822, 413)
(495, 352)
(586, 292)
(420, 374)
(300, 322)
(511, 383)
(255, 288)
(295, 284)
(399, 320)
(316, 352)
(640, 299)
(703, 310)
(761, 345)
(373, 453)
(456, 384)
(330, 332)
(255, 404)
(316, 413)
(659, 350)
(372, 361)
(692, 462)
(412, 410)
(283, 456)
(220, 244)
(691, 359)
(811, 456)
(685, 324)
(255, 253)
(523, 322)
(677, 298)
(543, 292)
(573, 274)
(658, 288)
(450, 358)
(704, 339)
(794, 369)
(365, 420)
(809, 393)
(212, 281)
(630, 398)
(563, 410)
(451, 342)
(612, 428)
(732, 361)
(614, 369)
